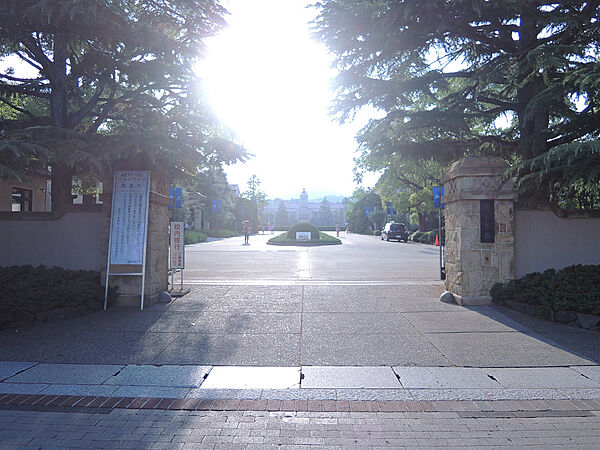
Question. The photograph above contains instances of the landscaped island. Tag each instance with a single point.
(304, 234)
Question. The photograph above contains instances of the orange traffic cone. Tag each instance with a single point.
(437, 241)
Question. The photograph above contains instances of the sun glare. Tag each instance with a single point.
(270, 83)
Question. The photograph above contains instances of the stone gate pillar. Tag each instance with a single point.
(157, 246)
(479, 228)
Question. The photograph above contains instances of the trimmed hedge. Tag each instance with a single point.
(193, 237)
(324, 239)
(221, 233)
(304, 227)
(27, 291)
(427, 237)
(574, 288)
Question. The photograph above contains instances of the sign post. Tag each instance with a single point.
(177, 243)
(128, 227)
(438, 193)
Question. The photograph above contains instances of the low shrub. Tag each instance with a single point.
(574, 288)
(427, 237)
(193, 237)
(416, 236)
(377, 233)
(304, 227)
(283, 239)
(221, 233)
(27, 290)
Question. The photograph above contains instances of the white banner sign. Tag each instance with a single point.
(177, 245)
(129, 216)
(303, 235)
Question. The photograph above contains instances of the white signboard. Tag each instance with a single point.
(303, 235)
(129, 216)
(177, 245)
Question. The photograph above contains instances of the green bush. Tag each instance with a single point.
(193, 237)
(427, 237)
(377, 233)
(574, 288)
(221, 233)
(304, 227)
(27, 290)
(283, 239)
(416, 236)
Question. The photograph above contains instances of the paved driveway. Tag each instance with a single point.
(366, 302)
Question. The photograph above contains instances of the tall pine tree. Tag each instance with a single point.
(517, 79)
(110, 79)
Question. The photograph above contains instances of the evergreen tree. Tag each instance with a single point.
(324, 216)
(362, 203)
(282, 219)
(447, 73)
(111, 80)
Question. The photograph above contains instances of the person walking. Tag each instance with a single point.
(246, 229)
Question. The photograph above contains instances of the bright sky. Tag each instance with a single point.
(270, 83)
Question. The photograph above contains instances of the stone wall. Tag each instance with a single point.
(473, 266)
(157, 247)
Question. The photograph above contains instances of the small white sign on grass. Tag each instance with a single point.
(303, 235)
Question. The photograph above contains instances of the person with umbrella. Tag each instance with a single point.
(246, 227)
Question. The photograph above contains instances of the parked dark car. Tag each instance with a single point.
(393, 230)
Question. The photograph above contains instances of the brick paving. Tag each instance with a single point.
(175, 424)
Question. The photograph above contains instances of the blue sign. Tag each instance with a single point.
(176, 196)
(438, 193)
(389, 208)
(219, 206)
(368, 210)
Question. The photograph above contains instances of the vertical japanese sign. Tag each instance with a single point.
(177, 245)
(129, 217)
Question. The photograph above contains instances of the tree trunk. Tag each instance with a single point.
(532, 122)
(62, 177)
(421, 221)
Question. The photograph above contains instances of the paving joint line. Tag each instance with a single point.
(464, 408)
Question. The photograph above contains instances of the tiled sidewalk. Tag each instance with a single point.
(265, 425)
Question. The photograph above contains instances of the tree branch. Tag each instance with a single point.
(16, 108)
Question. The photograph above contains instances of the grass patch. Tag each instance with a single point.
(221, 233)
(324, 239)
(193, 237)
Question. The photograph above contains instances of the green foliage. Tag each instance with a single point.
(221, 233)
(304, 227)
(566, 173)
(254, 194)
(377, 233)
(282, 219)
(194, 237)
(355, 213)
(26, 290)
(509, 78)
(111, 80)
(323, 239)
(427, 237)
(574, 288)
(324, 216)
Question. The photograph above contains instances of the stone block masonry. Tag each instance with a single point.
(157, 246)
(472, 265)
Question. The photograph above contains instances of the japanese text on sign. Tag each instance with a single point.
(129, 216)
(177, 245)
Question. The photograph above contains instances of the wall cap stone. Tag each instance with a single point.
(476, 166)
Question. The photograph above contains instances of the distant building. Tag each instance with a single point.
(235, 189)
(301, 210)
(28, 195)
